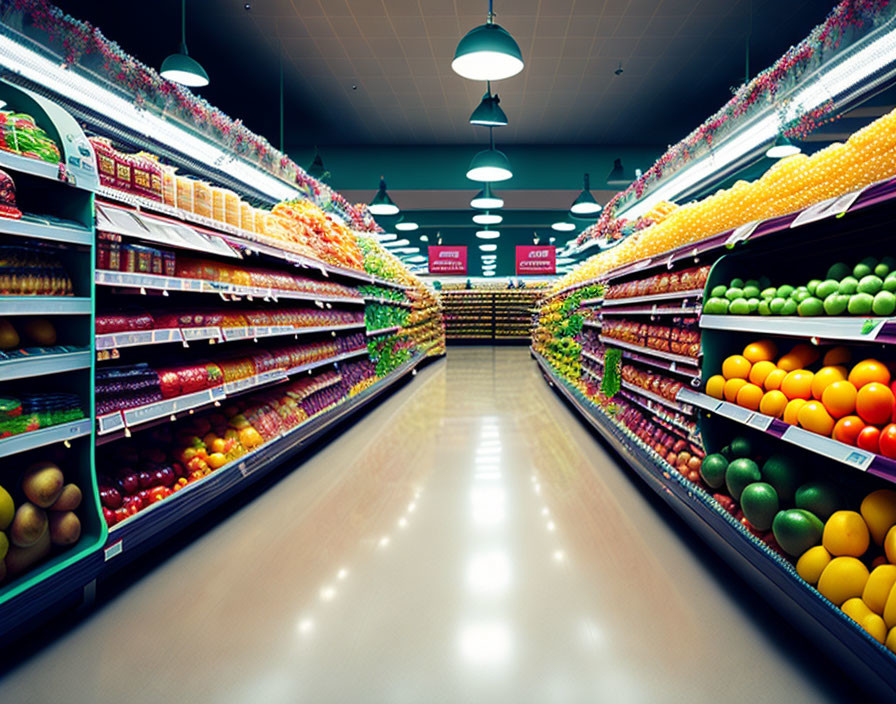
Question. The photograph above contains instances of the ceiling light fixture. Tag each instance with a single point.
(563, 226)
(179, 67)
(487, 258)
(398, 243)
(488, 247)
(486, 199)
(490, 165)
(424, 238)
(617, 176)
(418, 259)
(488, 235)
(387, 236)
(488, 113)
(487, 52)
(487, 219)
(488, 273)
(382, 204)
(781, 148)
(406, 226)
(585, 203)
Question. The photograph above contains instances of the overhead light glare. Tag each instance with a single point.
(487, 218)
(488, 247)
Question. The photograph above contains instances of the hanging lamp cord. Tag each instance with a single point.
(183, 24)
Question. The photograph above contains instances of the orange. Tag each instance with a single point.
(732, 386)
(760, 371)
(791, 412)
(749, 396)
(813, 416)
(762, 351)
(824, 377)
(837, 355)
(840, 398)
(774, 379)
(773, 403)
(846, 533)
(802, 355)
(798, 384)
(874, 403)
(715, 386)
(867, 371)
(736, 367)
(847, 429)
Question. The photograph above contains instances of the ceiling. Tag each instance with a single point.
(378, 71)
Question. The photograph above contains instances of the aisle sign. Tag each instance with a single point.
(448, 260)
(536, 260)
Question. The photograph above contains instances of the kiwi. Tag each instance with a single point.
(42, 484)
(28, 525)
(20, 560)
(65, 528)
(69, 499)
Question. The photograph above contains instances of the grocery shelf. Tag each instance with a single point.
(592, 302)
(857, 329)
(41, 365)
(388, 302)
(247, 240)
(383, 331)
(23, 442)
(45, 305)
(158, 520)
(596, 360)
(645, 403)
(361, 351)
(143, 338)
(39, 228)
(27, 165)
(592, 324)
(651, 310)
(653, 298)
(155, 282)
(676, 359)
(656, 398)
(854, 457)
(771, 575)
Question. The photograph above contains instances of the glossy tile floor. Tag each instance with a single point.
(467, 541)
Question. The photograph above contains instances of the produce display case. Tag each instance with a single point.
(489, 314)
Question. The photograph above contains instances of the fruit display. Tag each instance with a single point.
(32, 271)
(867, 288)
(20, 134)
(38, 516)
(791, 184)
(489, 312)
(311, 228)
(822, 390)
(681, 335)
(25, 412)
(8, 207)
(379, 316)
(693, 279)
(23, 337)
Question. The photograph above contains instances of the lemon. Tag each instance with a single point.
(4, 545)
(844, 578)
(890, 545)
(877, 588)
(875, 626)
(891, 640)
(7, 509)
(846, 533)
(879, 511)
(856, 609)
(812, 563)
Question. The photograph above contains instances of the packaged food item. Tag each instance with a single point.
(247, 217)
(8, 207)
(32, 271)
(184, 193)
(202, 199)
(218, 204)
(19, 133)
(231, 208)
(169, 185)
(147, 176)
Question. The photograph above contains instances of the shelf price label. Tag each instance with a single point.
(741, 233)
(833, 207)
(109, 423)
(828, 447)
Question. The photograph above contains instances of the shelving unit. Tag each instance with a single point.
(489, 314)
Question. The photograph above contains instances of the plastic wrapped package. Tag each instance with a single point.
(184, 193)
(8, 207)
(231, 208)
(218, 204)
(202, 199)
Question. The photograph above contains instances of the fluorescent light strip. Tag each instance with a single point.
(83, 91)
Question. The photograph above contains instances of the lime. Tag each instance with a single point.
(737, 283)
(733, 293)
(741, 447)
(783, 474)
(838, 271)
(870, 284)
(849, 285)
(713, 470)
(826, 288)
(785, 291)
(812, 286)
(790, 307)
(718, 291)
(819, 497)
(835, 304)
(884, 303)
(768, 292)
(764, 308)
(860, 304)
(759, 502)
(797, 530)
(777, 305)
(811, 306)
(740, 473)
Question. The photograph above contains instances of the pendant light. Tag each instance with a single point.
(316, 169)
(563, 226)
(406, 226)
(585, 203)
(487, 53)
(398, 243)
(386, 236)
(781, 148)
(424, 238)
(487, 219)
(617, 176)
(488, 247)
(490, 165)
(179, 67)
(487, 234)
(489, 113)
(486, 199)
(382, 204)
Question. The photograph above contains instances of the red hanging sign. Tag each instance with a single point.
(448, 260)
(536, 260)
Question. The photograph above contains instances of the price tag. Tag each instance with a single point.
(829, 447)
(742, 233)
(109, 423)
(833, 207)
(113, 550)
(236, 333)
(759, 421)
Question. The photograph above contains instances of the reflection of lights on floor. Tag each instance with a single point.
(488, 505)
(412, 506)
(327, 593)
(592, 634)
(544, 511)
(402, 522)
(487, 476)
(384, 541)
(306, 625)
(485, 643)
(488, 573)
(551, 526)
(559, 555)
(343, 573)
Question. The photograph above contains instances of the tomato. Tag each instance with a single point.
(869, 439)
(847, 429)
(874, 403)
(888, 441)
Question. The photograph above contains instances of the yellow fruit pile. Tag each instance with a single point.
(792, 184)
(836, 567)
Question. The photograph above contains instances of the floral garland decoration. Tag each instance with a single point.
(83, 45)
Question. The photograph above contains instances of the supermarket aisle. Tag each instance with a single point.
(467, 542)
